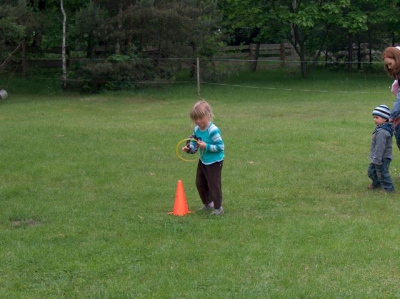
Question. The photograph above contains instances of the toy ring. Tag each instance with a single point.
(179, 153)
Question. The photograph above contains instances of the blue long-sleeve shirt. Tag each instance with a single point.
(214, 151)
(395, 112)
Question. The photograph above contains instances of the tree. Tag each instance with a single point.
(12, 29)
(88, 26)
(251, 21)
(155, 36)
(307, 24)
(365, 25)
(63, 46)
(14, 22)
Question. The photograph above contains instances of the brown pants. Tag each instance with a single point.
(208, 183)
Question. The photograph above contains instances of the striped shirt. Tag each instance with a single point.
(214, 151)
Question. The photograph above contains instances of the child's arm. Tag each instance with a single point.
(394, 113)
(217, 144)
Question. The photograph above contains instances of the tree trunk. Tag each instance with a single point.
(118, 45)
(303, 65)
(63, 46)
(299, 47)
(359, 58)
(350, 52)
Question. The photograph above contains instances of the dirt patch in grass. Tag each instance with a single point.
(25, 223)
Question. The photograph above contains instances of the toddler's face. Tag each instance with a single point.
(379, 120)
(202, 122)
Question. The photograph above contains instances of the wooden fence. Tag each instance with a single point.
(272, 52)
(248, 55)
(22, 51)
(244, 55)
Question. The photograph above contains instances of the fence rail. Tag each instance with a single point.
(242, 56)
(281, 52)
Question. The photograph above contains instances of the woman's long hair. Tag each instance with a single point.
(392, 53)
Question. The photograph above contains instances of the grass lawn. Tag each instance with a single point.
(87, 182)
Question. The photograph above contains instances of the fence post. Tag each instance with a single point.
(283, 54)
(251, 52)
(24, 66)
(198, 78)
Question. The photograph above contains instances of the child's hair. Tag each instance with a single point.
(201, 109)
(392, 53)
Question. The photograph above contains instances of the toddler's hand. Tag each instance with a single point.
(185, 149)
(201, 144)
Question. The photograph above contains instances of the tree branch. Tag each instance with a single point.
(7, 60)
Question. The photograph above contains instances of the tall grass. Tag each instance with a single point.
(87, 182)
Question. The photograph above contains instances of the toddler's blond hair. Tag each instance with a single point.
(201, 109)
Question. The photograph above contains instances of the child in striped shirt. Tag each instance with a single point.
(211, 148)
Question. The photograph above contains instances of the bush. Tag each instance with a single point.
(216, 72)
(117, 72)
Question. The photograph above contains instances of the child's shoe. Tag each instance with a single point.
(387, 191)
(217, 211)
(210, 206)
(372, 187)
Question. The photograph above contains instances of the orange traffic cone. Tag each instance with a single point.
(180, 206)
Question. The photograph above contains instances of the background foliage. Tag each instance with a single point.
(162, 37)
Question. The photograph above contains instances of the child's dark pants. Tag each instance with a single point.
(380, 176)
(208, 183)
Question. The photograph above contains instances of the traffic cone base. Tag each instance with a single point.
(180, 205)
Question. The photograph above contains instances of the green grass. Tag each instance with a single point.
(87, 182)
